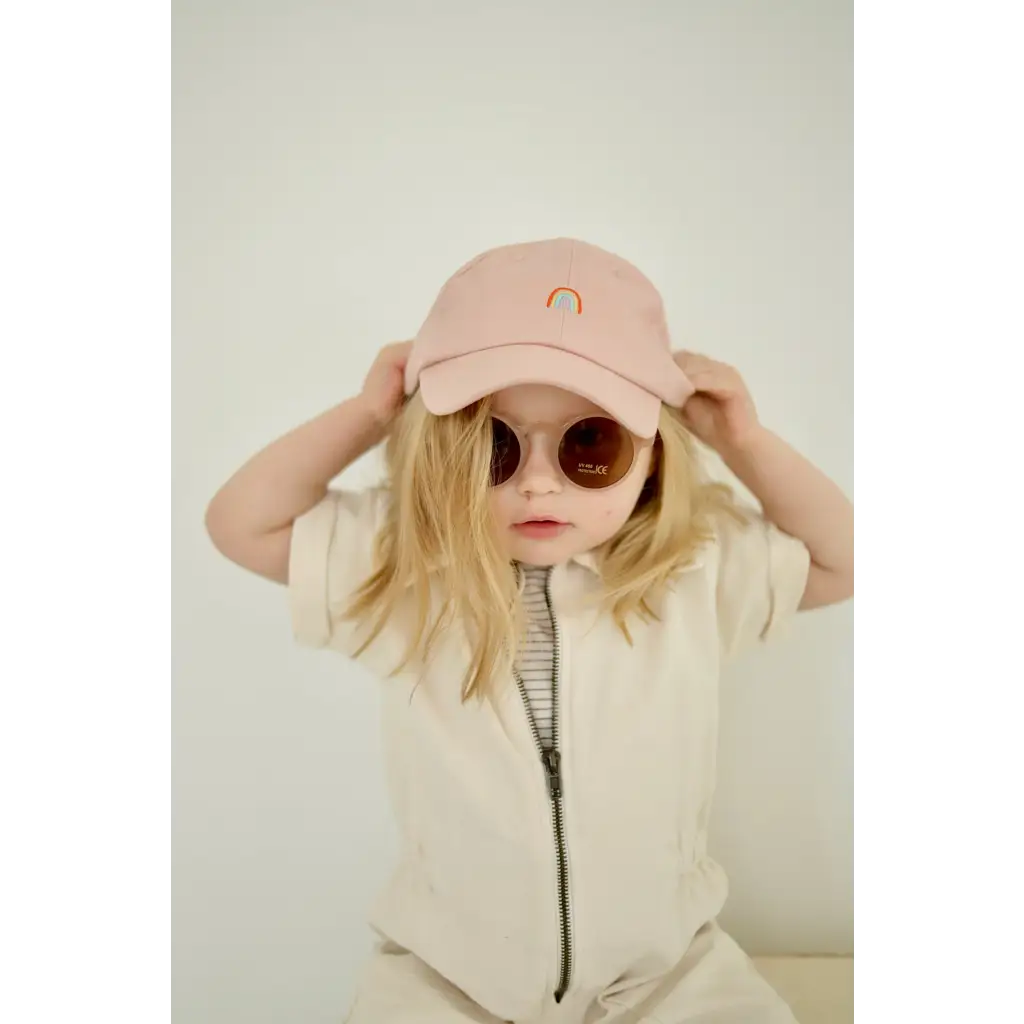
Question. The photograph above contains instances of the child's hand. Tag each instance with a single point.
(384, 387)
(720, 412)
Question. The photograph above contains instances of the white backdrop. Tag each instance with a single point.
(333, 163)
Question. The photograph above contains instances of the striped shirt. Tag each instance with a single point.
(536, 657)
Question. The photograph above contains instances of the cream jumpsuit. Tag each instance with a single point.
(570, 890)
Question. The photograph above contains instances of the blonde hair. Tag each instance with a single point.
(439, 532)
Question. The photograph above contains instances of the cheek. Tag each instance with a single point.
(614, 509)
(621, 508)
(617, 506)
(501, 502)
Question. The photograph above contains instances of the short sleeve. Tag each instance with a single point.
(331, 556)
(762, 574)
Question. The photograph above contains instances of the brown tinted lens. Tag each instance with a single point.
(596, 452)
(504, 452)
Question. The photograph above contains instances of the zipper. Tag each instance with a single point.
(551, 759)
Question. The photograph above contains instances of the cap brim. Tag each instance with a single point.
(455, 383)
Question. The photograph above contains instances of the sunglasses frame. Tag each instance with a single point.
(639, 444)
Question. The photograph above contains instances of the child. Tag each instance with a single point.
(548, 588)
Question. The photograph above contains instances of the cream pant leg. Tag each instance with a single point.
(714, 983)
(399, 988)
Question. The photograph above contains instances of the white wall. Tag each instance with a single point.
(334, 162)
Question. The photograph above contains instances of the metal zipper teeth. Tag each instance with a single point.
(556, 804)
(558, 828)
(557, 822)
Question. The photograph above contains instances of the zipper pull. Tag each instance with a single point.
(552, 767)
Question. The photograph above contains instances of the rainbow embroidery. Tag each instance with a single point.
(565, 298)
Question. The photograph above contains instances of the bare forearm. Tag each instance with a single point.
(798, 498)
(250, 518)
(288, 477)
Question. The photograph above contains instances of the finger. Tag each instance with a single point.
(691, 358)
(396, 355)
(714, 382)
(698, 364)
(693, 363)
(713, 371)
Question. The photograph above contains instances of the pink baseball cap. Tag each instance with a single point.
(559, 312)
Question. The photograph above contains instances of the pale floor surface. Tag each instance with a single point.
(818, 988)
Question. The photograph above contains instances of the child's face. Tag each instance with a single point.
(538, 489)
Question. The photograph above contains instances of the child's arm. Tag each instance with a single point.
(795, 495)
(250, 518)
(799, 499)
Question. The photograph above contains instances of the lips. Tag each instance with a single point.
(541, 529)
(542, 519)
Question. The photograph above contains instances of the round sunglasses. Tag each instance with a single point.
(593, 451)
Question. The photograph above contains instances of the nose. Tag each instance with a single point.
(540, 474)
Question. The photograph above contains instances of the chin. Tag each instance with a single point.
(540, 552)
(534, 554)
